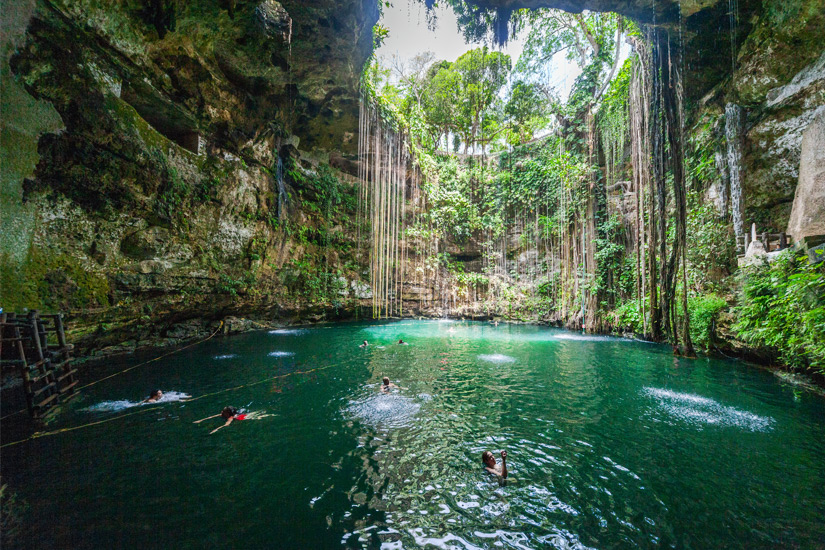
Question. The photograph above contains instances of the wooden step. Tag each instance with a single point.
(46, 401)
(41, 377)
(66, 375)
(60, 365)
(68, 387)
(51, 386)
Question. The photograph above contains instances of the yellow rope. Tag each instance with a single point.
(38, 435)
(153, 360)
(134, 366)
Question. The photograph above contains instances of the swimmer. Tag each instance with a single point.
(386, 386)
(402, 342)
(154, 397)
(490, 464)
(365, 344)
(228, 413)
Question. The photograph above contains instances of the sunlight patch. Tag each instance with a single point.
(388, 410)
(497, 358)
(695, 409)
(289, 331)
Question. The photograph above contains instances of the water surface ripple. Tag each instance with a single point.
(612, 443)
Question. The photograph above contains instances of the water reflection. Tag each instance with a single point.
(608, 447)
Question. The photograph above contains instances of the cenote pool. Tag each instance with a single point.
(611, 443)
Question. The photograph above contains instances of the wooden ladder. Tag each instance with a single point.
(46, 369)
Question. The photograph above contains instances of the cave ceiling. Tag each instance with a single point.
(705, 29)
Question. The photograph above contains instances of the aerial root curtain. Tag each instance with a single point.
(383, 155)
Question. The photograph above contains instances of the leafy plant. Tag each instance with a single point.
(783, 307)
(704, 311)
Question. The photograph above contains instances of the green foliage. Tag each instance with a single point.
(711, 250)
(614, 271)
(783, 307)
(461, 96)
(236, 285)
(704, 311)
(51, 282)
(612, 122)
(700, 168)
(582, 37)
(628, 317)
(206, 190)
(379, 34)
(526, 112)
(303, 278)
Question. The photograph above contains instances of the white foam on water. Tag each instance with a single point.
(172, 396)
(112, 406)
(227, 356)
(585, 337)
(497, 358)
(388, 410)
(696, 409)
(280, 354)
(115, 406)
(289, 331)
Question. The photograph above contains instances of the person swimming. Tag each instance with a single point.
(490, 464)
(229, 414)
(402, 342)
(387, 386)
(154, 397)
(365, 344)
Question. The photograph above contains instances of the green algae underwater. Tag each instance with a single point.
(611, 443)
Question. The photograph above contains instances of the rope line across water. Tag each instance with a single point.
(133, 367)
(38, 435)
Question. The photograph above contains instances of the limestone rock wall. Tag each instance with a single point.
(780, 82)
(165, 163)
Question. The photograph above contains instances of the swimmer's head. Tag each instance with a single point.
(228, 412)
(488, 459)
(157, 394)
(386, 381)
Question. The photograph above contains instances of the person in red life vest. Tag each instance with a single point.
(229, 414)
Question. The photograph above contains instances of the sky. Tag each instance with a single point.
(409, 35)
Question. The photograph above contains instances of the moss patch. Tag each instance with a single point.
(51, 283)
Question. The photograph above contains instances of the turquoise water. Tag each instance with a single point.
(611, 444)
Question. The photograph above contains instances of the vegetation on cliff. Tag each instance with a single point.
(606, 221)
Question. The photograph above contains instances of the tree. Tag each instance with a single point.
(442, 99)
(525, 111)
(589, 39)
(482, 73)
(412, 75)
